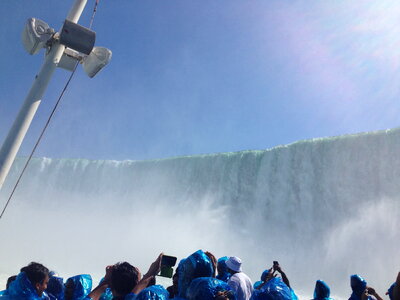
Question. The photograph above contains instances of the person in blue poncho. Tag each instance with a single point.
(390, 291)
(30, 283)
(274, 288)
(78, 287)
(271, 273)
(321, 291)
(125, 280)
(195, 265)
(120, 278)
(154, 292)
(394, 290)
(208, 288)
(55, 288)
(360, 290)
(223, 273)
(9, 280)
(4, 294)
(265, 276)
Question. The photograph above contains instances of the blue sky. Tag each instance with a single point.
(194, 77)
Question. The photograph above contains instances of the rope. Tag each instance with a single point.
(47, 123)
(94, 13)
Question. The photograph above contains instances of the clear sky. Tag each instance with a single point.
(194, 77)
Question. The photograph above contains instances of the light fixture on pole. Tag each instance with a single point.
(74, 43)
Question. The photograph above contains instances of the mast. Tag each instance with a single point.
(72, 39)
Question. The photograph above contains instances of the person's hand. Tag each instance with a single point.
(364, 295)
(371, 291)
(155, 267)
(271, 274)
(222, 295)
(213, 261)
(96, 293)
(277, 268)
(107, 277)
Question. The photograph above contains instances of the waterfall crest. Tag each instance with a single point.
(325, 208)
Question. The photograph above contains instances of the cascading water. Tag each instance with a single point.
(324, 208)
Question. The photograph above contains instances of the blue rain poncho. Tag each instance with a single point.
(274, 289)
(257, 284)
(223, 273)
(154, 292)
(263, 278)
(321, 291)
(390, 291)
(82, 286)
(206, 288)
(107, 295)
(130, 296)
(55, 288)
(21, 288)
(194, 266)
(4, 295)
(264, 275)
(358, 285)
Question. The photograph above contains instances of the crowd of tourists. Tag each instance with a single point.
(200, 276)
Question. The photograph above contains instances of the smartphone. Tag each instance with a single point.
(166, 271)
(168, 261)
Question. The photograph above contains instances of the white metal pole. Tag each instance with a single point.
(24, 118)
(76, 10)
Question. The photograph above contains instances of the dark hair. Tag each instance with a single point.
(9, 280)
(55, 287)
(69, 289)
(124, 278)
(35, 272)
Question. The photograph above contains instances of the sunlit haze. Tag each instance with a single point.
(190, 78)
(151, 154)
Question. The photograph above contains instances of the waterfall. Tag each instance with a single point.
(324, 208)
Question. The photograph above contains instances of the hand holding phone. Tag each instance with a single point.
(167, 262)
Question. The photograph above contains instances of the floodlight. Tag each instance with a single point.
(77, 37)
(35, 35)
(96, 60)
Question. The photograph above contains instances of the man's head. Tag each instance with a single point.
(38, 275)
(69, 289)
(358, 285)
(221, 265)
(78, 287)
(234, 264)
(124, 278)
(55, 287)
